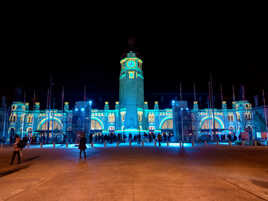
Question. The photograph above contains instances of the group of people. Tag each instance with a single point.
(146, 137)
(19, 143)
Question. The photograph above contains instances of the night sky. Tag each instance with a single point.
(233, 53)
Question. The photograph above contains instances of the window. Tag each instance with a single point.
(13, 118)
(111, 118)
(238, 116)
(151, 117)
(230, 117)
(248, 116)
(123, 116)
(30, 118)
(131, 74)
(140, 115)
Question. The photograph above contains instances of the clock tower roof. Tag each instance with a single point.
(131, 54)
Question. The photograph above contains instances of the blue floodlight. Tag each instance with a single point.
(82, 109)
(173, 102)
(90, 102)
(187, 108)
(76, 109)
(181, 108)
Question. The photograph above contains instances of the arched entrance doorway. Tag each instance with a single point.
(50, 130)
(166, 127)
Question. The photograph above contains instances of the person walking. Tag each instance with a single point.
(159, 137)
(17, 147)
(82, 145)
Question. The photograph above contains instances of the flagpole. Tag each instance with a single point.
(263, 96)
(212, 104)
(85, 92)
(48, 113)
(221, 92)
(180, 91)
(233, 92)
(62, 98)
(194, 91)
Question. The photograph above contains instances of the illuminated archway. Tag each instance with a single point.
(96, 124)
(207, 123)
(166, 123)
(55, 123)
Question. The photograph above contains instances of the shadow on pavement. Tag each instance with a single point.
(31, 158)
(10, 171)
(263, 184)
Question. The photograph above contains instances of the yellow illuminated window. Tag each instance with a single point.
(131, 74)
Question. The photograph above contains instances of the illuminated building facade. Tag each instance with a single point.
(132, 115)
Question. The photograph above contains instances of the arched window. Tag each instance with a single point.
(208, 124)
(140, 115)
(123, 114)
(168, 124)
(52, 124)
(111, 118)
(151, 117)
(30, 118)
(238, 116)
(248, 116)
(13, 118)
(230, 117)
(95, 125)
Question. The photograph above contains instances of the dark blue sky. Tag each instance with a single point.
(233, 53)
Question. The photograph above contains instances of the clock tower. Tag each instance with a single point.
(131, 93)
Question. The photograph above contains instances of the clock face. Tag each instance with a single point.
(131, 64)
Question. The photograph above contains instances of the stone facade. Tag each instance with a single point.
(132, 115)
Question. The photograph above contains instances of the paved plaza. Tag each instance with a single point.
(136, 173)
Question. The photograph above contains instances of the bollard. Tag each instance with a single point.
(142, 143)
(167, 143)
(104, 143)
(117, 144)
(41, 145)
(230, 143)
(192, 143)
(66, 145)
(53, 145)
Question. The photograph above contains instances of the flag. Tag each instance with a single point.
(233, 92)
(62, 98)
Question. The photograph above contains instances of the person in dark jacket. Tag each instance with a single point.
(159, 138)
(17, 147)
(82, 145)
